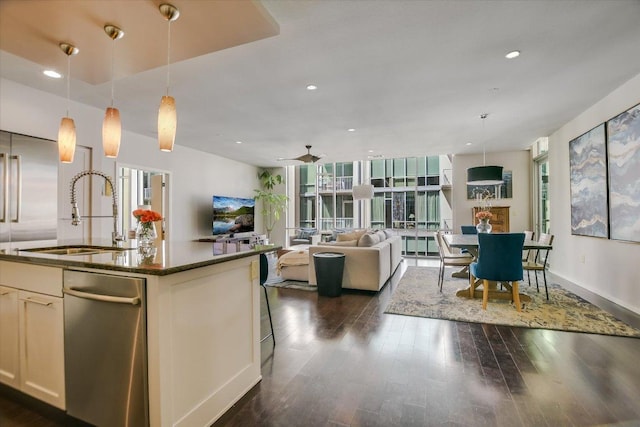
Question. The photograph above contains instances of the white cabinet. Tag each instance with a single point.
(203, 341)
(42, 347)
(9, 350)
(32, 331)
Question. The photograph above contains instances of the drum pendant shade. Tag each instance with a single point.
(484, 175)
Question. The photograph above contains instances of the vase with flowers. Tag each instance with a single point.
(146, 229)
(483, 218)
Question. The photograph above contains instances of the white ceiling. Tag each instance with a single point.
(411, 77)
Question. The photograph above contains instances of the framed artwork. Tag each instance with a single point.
(623, 146)
(588, 173)
(502, 191)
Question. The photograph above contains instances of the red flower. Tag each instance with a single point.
(146, 215)
(484, 215)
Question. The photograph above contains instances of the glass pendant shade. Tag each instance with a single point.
(363, 192)
(67, 130)
(111, 132)
(67, 140)
(484, 175)
(167, 122)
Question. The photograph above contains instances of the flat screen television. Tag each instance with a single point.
(232, 215)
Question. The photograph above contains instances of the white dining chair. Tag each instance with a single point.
(449, 258)
(537, 261)
(528, 235)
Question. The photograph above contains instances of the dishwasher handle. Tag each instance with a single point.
(104, 298)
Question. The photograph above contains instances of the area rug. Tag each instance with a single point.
(417, 294)
(293, 284)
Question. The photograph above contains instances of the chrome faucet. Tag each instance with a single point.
(116, 238)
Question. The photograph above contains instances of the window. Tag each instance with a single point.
(307, 199)
(543, 219)
(307, 179)
(344, 176)
(344, 211)
(406, 198)
(307, 212)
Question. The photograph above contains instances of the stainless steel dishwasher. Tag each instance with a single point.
(105, 349)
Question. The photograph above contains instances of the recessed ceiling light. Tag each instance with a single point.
(238, 142)
(312, 87)
(512, 54)
(351, 130)
(469, 143)
(53, 74)
(370, 151)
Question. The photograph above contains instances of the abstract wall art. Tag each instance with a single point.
(588, 172)
(623, 146)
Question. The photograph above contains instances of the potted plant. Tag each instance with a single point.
(273, 204)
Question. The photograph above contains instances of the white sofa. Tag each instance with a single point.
(369, 263)
(294, 265)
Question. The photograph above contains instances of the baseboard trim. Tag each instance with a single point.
(622, 313)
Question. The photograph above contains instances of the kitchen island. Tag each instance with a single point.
(202, 314)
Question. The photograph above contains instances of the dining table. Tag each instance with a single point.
(470, 243)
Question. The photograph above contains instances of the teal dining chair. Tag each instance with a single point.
(499, 260)
(468, 229)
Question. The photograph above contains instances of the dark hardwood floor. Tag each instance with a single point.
(343, 362)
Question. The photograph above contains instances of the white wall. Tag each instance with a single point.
(195, 176)
(519, 162)
(607, 267)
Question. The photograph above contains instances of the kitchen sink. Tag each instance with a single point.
(77, 250)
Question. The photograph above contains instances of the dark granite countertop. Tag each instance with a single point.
(166, 258)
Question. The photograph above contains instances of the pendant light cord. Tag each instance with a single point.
(68, 81)
(484, 142)
(168, 55)
(113, 52)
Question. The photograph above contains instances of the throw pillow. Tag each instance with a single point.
(368, 240)
(389, 233)
(306, 233)
(336, 231)
(382, 236)
(354, 235)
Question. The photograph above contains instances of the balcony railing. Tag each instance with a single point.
(339, 183)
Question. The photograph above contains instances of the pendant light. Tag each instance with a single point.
(484, 175)
(67, 130)
(167, 117)
(111, 126)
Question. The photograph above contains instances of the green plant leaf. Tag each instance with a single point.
(273, 204)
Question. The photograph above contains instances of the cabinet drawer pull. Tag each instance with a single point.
(35, 301)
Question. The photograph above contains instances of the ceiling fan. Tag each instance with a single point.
(306, 158)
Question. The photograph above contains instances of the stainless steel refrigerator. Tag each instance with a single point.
(28, 188)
